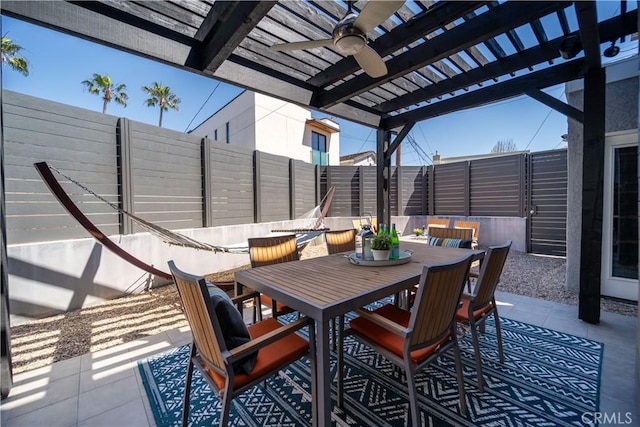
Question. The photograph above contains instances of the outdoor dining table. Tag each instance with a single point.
(324, 288)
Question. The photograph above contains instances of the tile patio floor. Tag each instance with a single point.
(105, 389)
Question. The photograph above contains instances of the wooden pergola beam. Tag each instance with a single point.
(592, 166)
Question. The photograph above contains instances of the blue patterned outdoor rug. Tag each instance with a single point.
(549, 378)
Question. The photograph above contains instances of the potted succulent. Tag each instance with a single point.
(381, 247)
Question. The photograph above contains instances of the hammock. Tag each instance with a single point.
(303, 236)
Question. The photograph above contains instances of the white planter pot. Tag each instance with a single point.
(379, 255)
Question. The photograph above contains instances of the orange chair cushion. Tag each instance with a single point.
(463, 312)
(387, 339)
(270, 358)
(281, 308)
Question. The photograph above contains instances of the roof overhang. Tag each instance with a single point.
(441, 56)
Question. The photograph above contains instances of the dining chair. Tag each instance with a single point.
(437, 223)
(473, 225)
(340, 240)
(452, 233)
(413, 339)
(230, 356)
(479, 305)
(273, 250)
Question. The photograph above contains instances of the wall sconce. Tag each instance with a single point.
(612, 50)
(570, 47)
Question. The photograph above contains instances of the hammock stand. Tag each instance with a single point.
(168, 236)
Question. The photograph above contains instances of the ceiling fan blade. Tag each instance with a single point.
(301, 45)
(375, 13)
(371, 62)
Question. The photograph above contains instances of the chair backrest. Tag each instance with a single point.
(273, 250)
(436, 223)
(206, 330)
(436, 303)
(373, 222)
(451, 233)
(474, 225)
(340, 240)
(490, 272)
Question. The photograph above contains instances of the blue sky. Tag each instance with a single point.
(59, 63)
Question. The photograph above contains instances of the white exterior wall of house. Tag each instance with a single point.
(267, 124)
(240, 115)
(280, 127)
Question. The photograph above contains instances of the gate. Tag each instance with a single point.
(547, 202)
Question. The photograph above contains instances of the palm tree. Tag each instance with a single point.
(103, 85)
(10, 51)
(162, 96)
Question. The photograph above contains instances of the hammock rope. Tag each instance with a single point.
(177, 239)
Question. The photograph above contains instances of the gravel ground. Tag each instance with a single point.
(42, 342)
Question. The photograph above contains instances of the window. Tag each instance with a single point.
(226, 129)
(215, 134)
(319, 155)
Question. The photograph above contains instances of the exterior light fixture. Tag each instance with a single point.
(570, 46)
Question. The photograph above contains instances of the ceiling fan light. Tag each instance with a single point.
(350, 44)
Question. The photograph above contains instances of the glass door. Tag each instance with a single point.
(620, 215)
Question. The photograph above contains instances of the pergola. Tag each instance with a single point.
(440, 56)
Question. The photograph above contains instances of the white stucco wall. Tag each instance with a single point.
(240, 114)
(280, 128)
(267, 124)
(48, 278)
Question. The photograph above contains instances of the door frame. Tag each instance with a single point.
(618, 287)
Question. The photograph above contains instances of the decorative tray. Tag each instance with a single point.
(405, 257)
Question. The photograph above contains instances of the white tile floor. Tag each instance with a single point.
(105, 388)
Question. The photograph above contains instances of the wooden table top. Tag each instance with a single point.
(325, 287)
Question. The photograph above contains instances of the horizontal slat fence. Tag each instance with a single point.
(497, 184)
(411, 181)
(346, 200)
(231, 184)
(166, 176)
(449, 192)
(179, 181)
(79, 142)
(272, 187)
(548, 202)
(303, 197)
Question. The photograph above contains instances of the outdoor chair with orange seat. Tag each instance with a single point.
(272, 250)
(413, 339)
(478, 306)
(231, 357)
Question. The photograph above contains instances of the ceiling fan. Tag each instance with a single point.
(350, 36)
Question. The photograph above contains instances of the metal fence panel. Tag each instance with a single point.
(346, 200)
(166, 177)
(495, 186)
(80, 143)
(449, 189)
(232, 194)
(369, 201)
(548, 222)
(412, 190)
(272, 181)
(304, 187)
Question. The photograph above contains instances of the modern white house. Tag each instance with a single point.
(259, 122)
